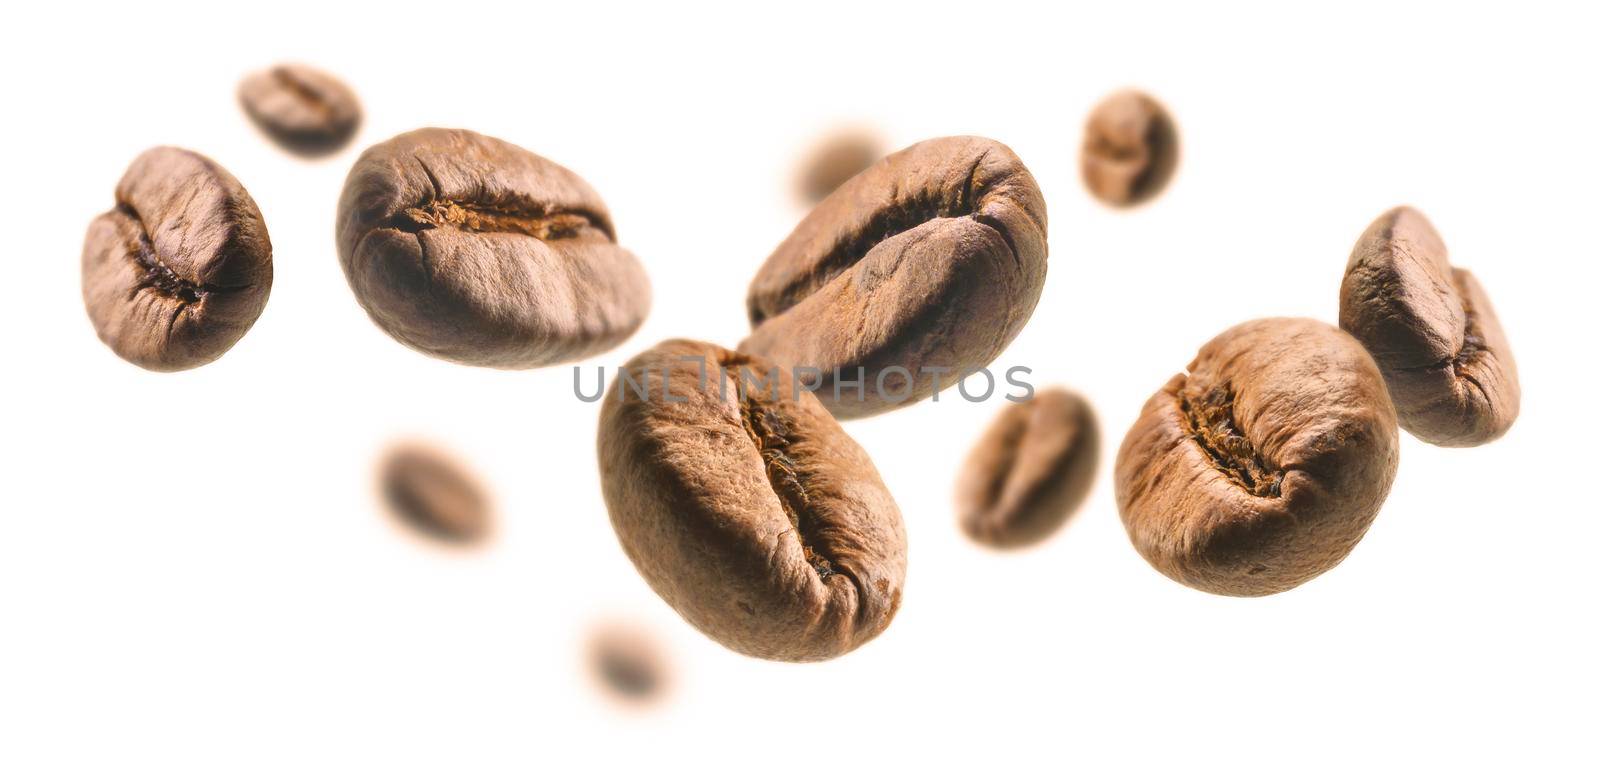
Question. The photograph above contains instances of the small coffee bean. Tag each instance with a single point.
(746, 507)
(834, 161)
(1029, 471)
(474, 250)
(433, 494)
(303, 110)
(627, 663)
(1432, 331)
(1130, 149)
(932, 259)
(180, 268)
(1262, 466)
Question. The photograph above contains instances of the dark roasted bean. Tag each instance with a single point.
(1262, 467)
(179, 270)
(1432, 331)
(474, 250)
(752, 513)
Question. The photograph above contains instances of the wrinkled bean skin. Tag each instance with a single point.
(1263, 466)
(759, 520)
(434, 495)
(181, 268)
(305, 111)
(471, 249)
(1030, 471)
(1433, 332)
(933, 257)
(1130, 149)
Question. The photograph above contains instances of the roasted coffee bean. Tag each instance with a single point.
(474, 250)
(926, 264)
(1432, 331)
(1029, 471)
(746, 507)
(177, 272)
(833, 162)
(1263, 466)
(303, 110)
(627, 663)
(1130, 149)
(433, 494)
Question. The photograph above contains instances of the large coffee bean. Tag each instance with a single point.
(923, 266)
(1262, 466)
(474, 250)
(179, 270)
(1432, 331)
(746, 507)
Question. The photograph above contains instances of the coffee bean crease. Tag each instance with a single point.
(897, 216)
(769, 434)
(545, 224)
(158, 275)
(1208, 419)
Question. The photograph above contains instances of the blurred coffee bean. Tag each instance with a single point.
(1130, 149)
(1030, 470)
(305, 111)
(434, 494)
(835, 160)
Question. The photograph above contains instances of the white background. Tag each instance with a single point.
(194, 565)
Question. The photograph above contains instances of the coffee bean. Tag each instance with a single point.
(433, 494)
(833, 162)
(305, 111)
(627, 663)
(932, 259)
(1029, 471)
(1263, 466)
(1130, 149)
(180, 268)
(746, 507)
(474, 250)
(1432, 331)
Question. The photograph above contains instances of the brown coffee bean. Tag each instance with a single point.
(303, 110)
(1130, 149)
(752, 513)
(627, 663)
(433, 494)
(179, 270)
(1432, 331)
(927, 263)
(1029, 471)
(1263, 466)
(474, 250)
(835, 160)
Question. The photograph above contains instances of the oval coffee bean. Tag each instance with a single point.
(1262, 466)
(926, 264)
(179, 270)
(474, 250)
(752, 513)
(1029, 471)
(303, 110)
(835, 161)
(1130, 149)
(435, 495)
(1432, 331)
(627, 663)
